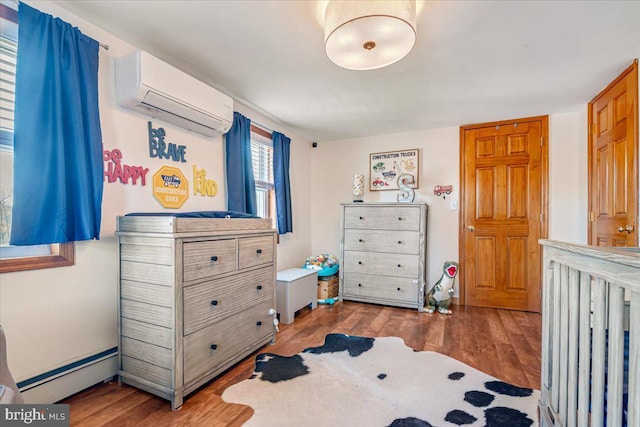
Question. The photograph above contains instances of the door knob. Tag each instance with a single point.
(628, 229)
(470, 228)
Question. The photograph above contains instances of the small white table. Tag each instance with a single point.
(295, 288)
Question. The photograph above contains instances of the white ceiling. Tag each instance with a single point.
(474, 61)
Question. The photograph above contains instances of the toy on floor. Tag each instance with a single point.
(329, 301)
(440, 295)
(325, 264)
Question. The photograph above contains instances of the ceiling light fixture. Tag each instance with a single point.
(369, 34)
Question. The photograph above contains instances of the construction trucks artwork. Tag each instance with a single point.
(386, 168)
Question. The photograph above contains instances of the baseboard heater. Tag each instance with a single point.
(55, 385)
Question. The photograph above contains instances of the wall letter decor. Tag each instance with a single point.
(159, 148)
(206, 187)
(114, 170)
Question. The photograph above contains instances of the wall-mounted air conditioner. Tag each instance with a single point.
(148, 85)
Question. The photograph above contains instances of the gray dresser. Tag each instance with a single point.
(383, 250)
(196, 296)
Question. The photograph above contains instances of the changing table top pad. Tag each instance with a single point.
(197, 214)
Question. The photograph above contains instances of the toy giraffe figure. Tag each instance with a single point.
(440, 295)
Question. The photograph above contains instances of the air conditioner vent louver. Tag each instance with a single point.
(155, 88)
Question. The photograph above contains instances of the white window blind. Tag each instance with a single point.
(262, 158)
(8, 53)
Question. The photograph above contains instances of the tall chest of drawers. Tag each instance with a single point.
(383, 249)
(196, 295)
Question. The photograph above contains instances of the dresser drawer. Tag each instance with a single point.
(205, 259)
(399, 242)
(209, 302)
(255, 251)
(399, 265)
(382, 218)
(210, 347)
(393, 288)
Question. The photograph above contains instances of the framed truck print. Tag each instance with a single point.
(386, 167)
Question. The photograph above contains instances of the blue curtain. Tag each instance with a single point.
(282, 184)
(241, 185)
(58, 169)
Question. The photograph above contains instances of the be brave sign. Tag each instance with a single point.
(162, 149)
(170, 187)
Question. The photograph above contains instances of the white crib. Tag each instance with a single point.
(591, 295)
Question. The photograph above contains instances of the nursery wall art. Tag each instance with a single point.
(114, 170)
(386, 167)
(161, 149)
(170, 187)
(202, 185)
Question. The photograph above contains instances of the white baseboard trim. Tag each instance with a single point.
(61, 383)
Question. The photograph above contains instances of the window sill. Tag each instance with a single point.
(62, 255)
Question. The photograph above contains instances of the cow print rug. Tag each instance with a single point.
(357, 381)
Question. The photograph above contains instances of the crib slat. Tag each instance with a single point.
(545, 371)
(616, 355)
(572, 369)
(585, 350)
(634, 361)
(555, 338)
(547, 290)
(598, 347)
(564, 341)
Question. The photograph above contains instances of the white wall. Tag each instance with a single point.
(333, 164)
(57, 316)
(568, 177)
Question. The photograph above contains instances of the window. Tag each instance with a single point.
(262, 157)
(16, 258)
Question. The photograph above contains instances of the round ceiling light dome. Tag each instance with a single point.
(369, 34)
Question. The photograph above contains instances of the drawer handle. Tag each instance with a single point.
(361, 217)
(259, 251)
(399, 218)
(214, 258)
(399, 289)
(259, 287)
(399, 242)
(360, 284)
(214, 302)
(360, 262)
(399, 266)
(360, 240)
(259, 323)
(214, 346)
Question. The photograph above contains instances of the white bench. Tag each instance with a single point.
(295, 288)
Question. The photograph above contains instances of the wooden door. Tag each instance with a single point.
(503, 176)
(613, 163)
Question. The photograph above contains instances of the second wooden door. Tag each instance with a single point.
(613, 159)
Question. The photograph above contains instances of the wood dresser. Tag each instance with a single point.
(383, 250)
(196, 296)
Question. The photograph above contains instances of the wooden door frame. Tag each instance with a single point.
(634, 190)
(544, 183)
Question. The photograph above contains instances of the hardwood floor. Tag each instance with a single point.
(501, 343)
